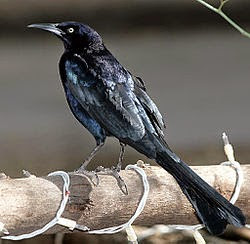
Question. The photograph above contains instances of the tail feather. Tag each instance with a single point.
(214, 211)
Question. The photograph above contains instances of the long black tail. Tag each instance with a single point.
(213, 210)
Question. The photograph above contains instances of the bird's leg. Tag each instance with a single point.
(91, 156)
(92, 175)
(114, 171)
(121, 157)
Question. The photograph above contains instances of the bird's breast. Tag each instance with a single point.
(76, 75)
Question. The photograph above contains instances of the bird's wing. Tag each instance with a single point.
(114, 107)
(149, 106)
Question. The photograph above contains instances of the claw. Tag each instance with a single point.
(92, 175)
(100, 170)
(113, 171)
(122, 186)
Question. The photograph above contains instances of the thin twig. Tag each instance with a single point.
(223, 15)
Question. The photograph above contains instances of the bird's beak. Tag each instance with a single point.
(53, 28)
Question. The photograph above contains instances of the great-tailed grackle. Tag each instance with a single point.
(109, 101)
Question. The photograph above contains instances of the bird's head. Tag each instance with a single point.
(75, 36)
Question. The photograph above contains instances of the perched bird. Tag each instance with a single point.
(109, 101)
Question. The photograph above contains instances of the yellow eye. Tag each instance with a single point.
(70, 30)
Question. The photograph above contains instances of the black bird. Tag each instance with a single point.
(109, 101)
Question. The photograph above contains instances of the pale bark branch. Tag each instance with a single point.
(28, 203)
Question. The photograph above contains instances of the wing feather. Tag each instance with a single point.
(150, 107)
(113, 107)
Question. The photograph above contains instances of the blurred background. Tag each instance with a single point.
(195, 66)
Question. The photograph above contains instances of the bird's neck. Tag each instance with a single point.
(91, 49)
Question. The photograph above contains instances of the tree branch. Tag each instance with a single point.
(29, 203)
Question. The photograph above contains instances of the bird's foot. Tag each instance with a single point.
(92, 175)
(113, 171)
